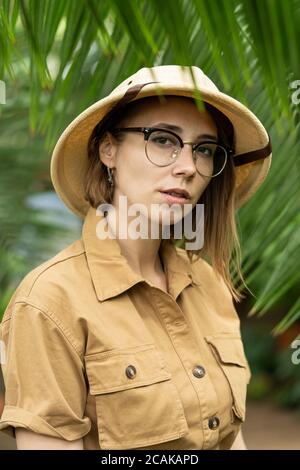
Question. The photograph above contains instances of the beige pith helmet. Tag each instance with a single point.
(253, 149)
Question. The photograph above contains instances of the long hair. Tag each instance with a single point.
(221, 243)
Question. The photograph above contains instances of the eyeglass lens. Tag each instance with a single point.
(163, 148)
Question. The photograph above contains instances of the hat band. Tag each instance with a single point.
(131, 93)
(248, 157)
(128, 96)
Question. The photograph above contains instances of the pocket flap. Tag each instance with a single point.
(229, 352)
(107, 370)
(229, 349)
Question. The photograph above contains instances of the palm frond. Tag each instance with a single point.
(60, 56)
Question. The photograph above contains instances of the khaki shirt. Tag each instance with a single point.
(92, 350)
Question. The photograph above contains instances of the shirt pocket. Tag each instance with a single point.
(137, 403)
(229, 353)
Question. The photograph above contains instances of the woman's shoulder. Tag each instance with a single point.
(46, 284)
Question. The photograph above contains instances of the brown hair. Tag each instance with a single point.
(221, 243)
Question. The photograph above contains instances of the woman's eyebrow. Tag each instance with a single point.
(174, 128)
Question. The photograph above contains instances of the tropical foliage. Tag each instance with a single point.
(59, 56)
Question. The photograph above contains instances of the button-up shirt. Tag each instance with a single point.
(92, 350)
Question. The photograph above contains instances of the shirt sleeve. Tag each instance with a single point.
(45, 386)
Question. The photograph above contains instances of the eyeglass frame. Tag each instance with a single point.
(147, 131)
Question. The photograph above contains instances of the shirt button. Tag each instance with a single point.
(213, 423)
(130, 372)
(199, 372)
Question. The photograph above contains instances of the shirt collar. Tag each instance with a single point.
(110, 271)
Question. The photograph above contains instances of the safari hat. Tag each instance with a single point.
(252, 157)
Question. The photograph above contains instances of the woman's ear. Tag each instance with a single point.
(107, 150)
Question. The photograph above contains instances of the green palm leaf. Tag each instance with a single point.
(59, 56)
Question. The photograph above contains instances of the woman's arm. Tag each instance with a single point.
(239, 443)
(28, 440)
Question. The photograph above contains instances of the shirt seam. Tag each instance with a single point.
(51, 316)
(51, 265)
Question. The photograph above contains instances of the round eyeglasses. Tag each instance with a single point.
(163, 147)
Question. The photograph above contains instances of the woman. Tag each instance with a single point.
(127, 342)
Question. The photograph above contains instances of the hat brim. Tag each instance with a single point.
(69, 161)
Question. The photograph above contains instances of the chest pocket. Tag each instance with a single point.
(137, 403)
(229, 353)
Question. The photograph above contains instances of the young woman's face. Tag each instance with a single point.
(139, 179)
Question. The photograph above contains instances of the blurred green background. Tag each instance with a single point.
(59, 56)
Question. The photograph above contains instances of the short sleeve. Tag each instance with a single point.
(45, 387)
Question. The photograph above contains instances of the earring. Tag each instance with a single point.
(110, 176)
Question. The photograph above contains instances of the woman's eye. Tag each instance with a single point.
(162, 140)
(206, 151)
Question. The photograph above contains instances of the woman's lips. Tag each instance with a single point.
(174, 199)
